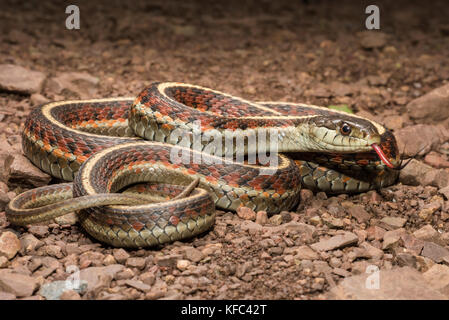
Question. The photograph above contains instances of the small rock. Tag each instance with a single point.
(406, 260)
(167, 260)
(428, 210)
(435, 160)
(375, 233)
(338, 241)
(392, 238)
(139, 285)
(434, 251)
(315, 220)
(138, 263)
(193, 254)
(426, 233)
(18, 79)
(305, 195)
(9, 245)
(148, 278)
(18, 284)
(262, 218)
(412, 244)
(419, 139)
(125, 274)
(391, 223)
(30, 243)
(276, 220)
(432, 107)
(40, 231)
(38, 99)
(109, 259)
(182, 264)
(331, 222)
(79, 84)
(120, 255)
(246, 213)
(305, 253)
(20, 172)
(359, 213)
(371, 252)
(99, 278)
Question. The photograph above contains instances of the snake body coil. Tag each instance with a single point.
(194, 133)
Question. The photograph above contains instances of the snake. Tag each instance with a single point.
(128, 162)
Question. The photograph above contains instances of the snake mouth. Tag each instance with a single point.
(382, 156)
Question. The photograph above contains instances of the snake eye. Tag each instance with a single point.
(345, 129)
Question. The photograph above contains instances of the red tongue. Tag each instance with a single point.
(382, 156)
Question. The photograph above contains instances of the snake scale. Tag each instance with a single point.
(130, 160)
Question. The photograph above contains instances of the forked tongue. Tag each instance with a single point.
(382, 156)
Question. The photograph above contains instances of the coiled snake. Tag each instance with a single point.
(236, 149)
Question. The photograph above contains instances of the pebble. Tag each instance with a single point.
(21, 172)
(431, 107)
(336, 242)
(438, 278)
(138, 263)
(391, 223)
(359, 213)
(262, 217)
(276, 220)
(246, 213)
(9, 244)
(426, 233)
(139, 285)
(193, 254)
(371, 40)
(18, 284)
(182, 264)
(18, 79)
(120, 255)
(434, 251)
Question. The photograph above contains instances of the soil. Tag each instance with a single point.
(316, 52)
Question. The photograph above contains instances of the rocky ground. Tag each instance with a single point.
(313, 52)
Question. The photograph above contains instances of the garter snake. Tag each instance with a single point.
(175, 133)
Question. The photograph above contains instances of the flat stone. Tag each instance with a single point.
(138, 263)
(305, 253)
(120, 255)
(338, 241)
(30, 243)
(420, 139)
(19, 79)
(79, 84)
(193, 254)
(396, 284)
(433, 107)
(18, 284)
(426, 233)
(167, 260)
(391, 223)
(20, 171)
(139, 285)
(9, 244)
(98, 278)
(375, 233)
(392, 238)
(434, 251)
(359, 213)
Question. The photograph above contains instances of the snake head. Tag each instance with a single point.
(352, 134)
